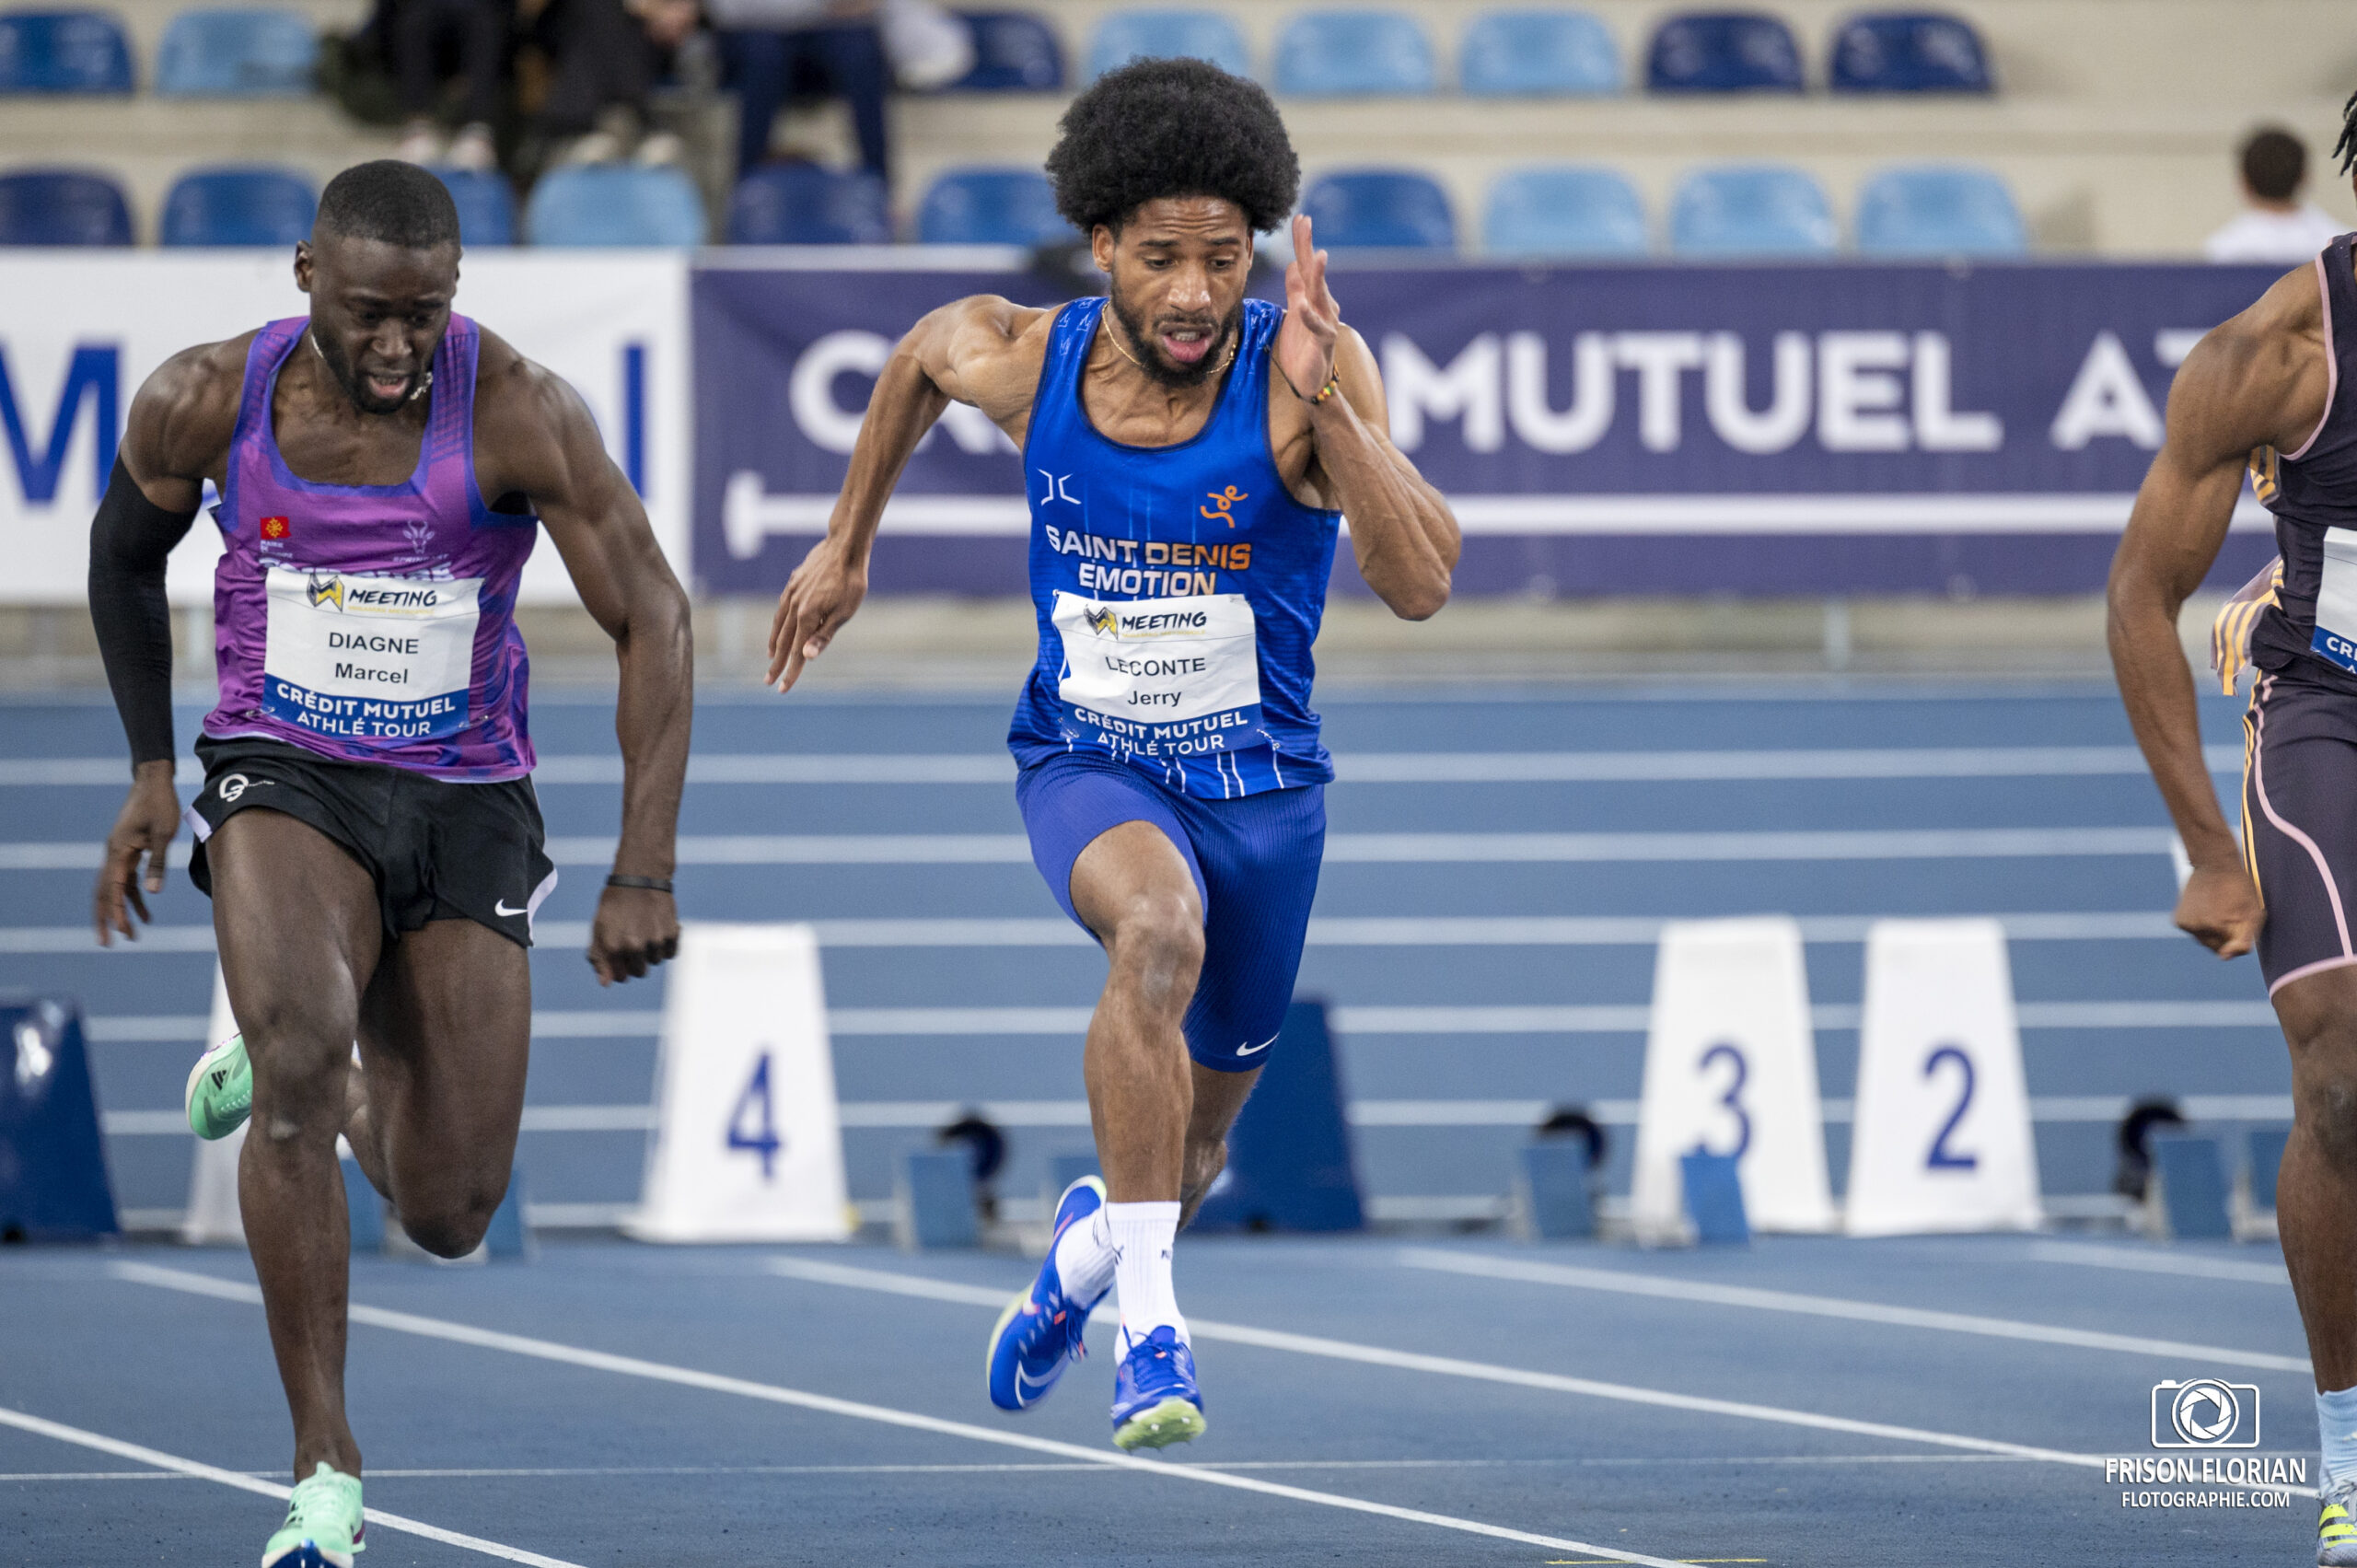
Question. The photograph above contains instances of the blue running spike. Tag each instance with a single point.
(1155, 1402)
(1039, 1332)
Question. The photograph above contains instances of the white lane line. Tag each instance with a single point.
(1486, 1018)
(1439, 931)
(908, 1113)
(1451, 849)
(244, 1483)
(1435, 849)
(2162, 1263)
(560, 1472)
(1449, 1367)
(1354, 767)
(659, 1372)
(1751, 1299)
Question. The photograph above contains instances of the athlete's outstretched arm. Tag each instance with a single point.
(1401, 529)
(598, 524)
(2247, 384)
(180, 425)
(968, 352)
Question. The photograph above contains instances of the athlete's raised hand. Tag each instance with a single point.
(637, 928)
(2221, 910)
(150, 816)
(1305, 348)
(820, 596)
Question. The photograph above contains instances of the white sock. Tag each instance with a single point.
(1143, 1235)
(1085, 1258)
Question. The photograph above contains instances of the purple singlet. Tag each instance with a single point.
(372, 623)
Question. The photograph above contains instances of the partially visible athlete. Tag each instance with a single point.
(2274, 392)
(367, 827)
(1188, 454)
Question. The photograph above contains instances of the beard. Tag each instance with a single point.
(355, 386)
(1159, 367)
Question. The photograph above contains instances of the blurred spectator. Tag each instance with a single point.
(773, 50)
(604, 56)
(2275, 225)
(479, 30)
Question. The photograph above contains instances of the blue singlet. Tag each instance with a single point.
(1178, 588)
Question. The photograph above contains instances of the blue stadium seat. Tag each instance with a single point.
(260, 52)
(1564, 210)
(1015, 52)
(486, 206)
(62, 51)
(238, 204)
(62, 206)
(1939, 210)
(1169, 35)
(1724, 52)
(991, 206)
(1339, 54)
(1750, 210)
(1510, 53)
(600, 204)
(1896, 52)
(1388, 208)
(801, 203)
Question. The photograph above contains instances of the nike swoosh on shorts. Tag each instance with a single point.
(499, 907)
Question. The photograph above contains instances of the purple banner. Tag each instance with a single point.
(1665, 430)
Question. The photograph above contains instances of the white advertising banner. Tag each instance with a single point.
(79, 332)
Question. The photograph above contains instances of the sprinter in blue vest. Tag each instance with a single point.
(1190, 455)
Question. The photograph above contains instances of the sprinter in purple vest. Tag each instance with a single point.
(367, 827)
(2273, 394)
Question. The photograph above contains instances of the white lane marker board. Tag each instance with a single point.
(1731, 1068)
(1941, 1138)
(214, 1218)
(748, 1142)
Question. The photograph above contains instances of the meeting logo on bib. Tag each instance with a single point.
(1160, 677)
(369, 658)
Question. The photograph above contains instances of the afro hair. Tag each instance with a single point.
(1158, 128)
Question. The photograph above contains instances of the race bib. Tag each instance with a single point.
(1161, 677)
(369, 658)
(2336, 637)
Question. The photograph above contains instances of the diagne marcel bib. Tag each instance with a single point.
(370, 658)
(1160, 677)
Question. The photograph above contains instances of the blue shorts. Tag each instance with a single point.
(1255, 863)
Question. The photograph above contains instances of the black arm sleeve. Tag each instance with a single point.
(130, 539)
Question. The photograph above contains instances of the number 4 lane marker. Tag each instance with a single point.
(177, 1465)
(687, 1377)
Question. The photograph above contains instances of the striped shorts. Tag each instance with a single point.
(2300, 824)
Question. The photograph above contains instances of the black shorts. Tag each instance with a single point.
(435, 851)
(2300, 824)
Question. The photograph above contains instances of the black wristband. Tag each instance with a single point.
(652, 884)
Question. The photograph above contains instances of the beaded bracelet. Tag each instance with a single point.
(1333, 385)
